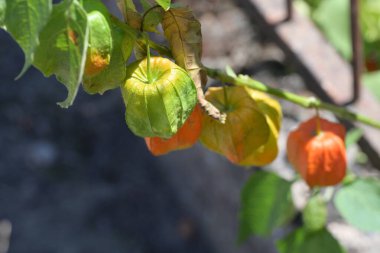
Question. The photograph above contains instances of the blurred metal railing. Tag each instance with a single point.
(357, 47)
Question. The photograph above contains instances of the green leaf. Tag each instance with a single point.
(3, 7)
(24, 20)
(332, 17)
(128, 9)
(63, 45)
(152, 19)
(164, 4)
(123, 38)
(359, 204)
(266, 204)
(145, 4)
(353, 136)
(303, 241)
(371, 81)
(315, 213)
(96, 5)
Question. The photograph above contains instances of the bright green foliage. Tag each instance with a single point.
(3, 6)
(63, 44)
(164, 4)
(24, 19)
(266, 204)
(304, 241)
(159, 105)
(332, 17)
(359, 204)
(123, 38)
(96, 5)
(315, 213)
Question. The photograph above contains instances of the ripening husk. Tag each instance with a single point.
(186, 136)
(160, 108)
(320, 158)
(272, 111)
(249, 136)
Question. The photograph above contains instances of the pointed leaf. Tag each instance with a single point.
(24, 19)
(164, 4)
(63, 45)
(303, 241)
(266, 204)
(183, 31)
(359, 204)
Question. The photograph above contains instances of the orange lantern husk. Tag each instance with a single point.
(319, 155)
(186, 136)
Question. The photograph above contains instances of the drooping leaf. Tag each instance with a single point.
(304, 241)
(123, 39)
(3, 7)
(63, 46)
(164, 4)
(266, 204)
(128, 9)
(24, 20)
(359, 204)
(183, 31)
(314, 215)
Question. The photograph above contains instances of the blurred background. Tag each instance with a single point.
(78, 181)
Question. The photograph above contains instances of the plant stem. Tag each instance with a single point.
(306, 102)
(149, 74)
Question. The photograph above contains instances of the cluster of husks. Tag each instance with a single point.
(159, 110)
(161, 102)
